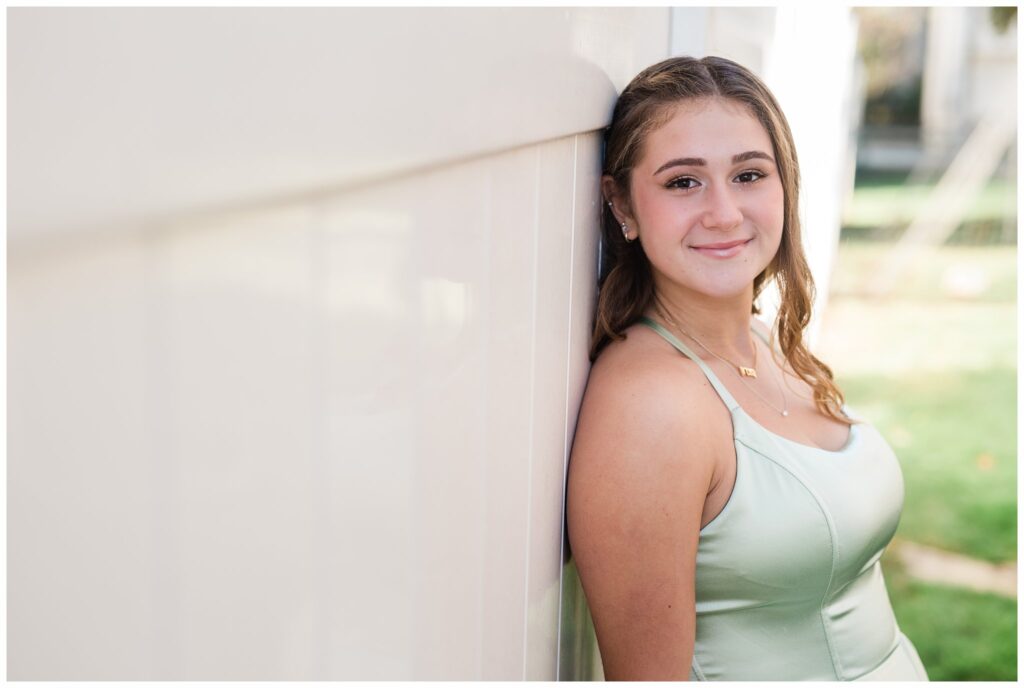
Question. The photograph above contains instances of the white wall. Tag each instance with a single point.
(970, 70)
(298, 310)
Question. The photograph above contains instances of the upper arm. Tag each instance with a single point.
(639, 472)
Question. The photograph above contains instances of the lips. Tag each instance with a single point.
(722, 249)
(723, 245)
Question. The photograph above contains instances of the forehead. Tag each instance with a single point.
(709, 128)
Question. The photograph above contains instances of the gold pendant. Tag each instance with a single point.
(747, 372)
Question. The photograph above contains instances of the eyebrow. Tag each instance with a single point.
(700, 162)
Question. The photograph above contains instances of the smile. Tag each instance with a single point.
(725, 249)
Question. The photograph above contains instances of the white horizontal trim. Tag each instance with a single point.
(125, 116)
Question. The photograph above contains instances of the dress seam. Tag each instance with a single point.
(837, 665)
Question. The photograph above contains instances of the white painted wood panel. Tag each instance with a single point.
(135, 114)
(577, 642)
(237, 309)
(298, 324)
(551, 321)
(80, 466)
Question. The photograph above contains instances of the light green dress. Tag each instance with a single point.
(789, 585)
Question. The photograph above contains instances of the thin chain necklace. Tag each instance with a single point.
(742, 370)
(784, 411)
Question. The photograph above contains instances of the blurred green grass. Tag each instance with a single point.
(961, 635)
(956, 437)
(883, 200)
(993, 269)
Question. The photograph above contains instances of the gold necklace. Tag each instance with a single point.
(784, 411)
(742, 370)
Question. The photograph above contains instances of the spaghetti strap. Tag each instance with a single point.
(726, 397)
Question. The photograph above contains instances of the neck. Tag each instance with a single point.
(719, 324)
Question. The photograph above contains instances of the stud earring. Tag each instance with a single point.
(625, 229)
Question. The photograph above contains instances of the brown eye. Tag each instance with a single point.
(745, 177)
(684, 183)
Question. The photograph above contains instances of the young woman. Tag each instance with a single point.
(726, 514)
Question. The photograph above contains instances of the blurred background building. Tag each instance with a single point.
(299, 303)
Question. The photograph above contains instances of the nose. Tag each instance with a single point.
(721, 210)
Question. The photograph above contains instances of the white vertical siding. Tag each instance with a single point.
(298, 322)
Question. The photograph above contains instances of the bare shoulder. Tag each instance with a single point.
(651, 387)
(641, 466)
(648, 415)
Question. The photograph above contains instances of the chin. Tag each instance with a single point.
(726, 289)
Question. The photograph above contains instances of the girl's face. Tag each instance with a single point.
(708, 200)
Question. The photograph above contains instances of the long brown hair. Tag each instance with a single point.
(626, 284)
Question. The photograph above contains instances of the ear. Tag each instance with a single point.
(620, 204)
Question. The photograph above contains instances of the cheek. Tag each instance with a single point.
(650, 205)
(780, 194)
(775, 209)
